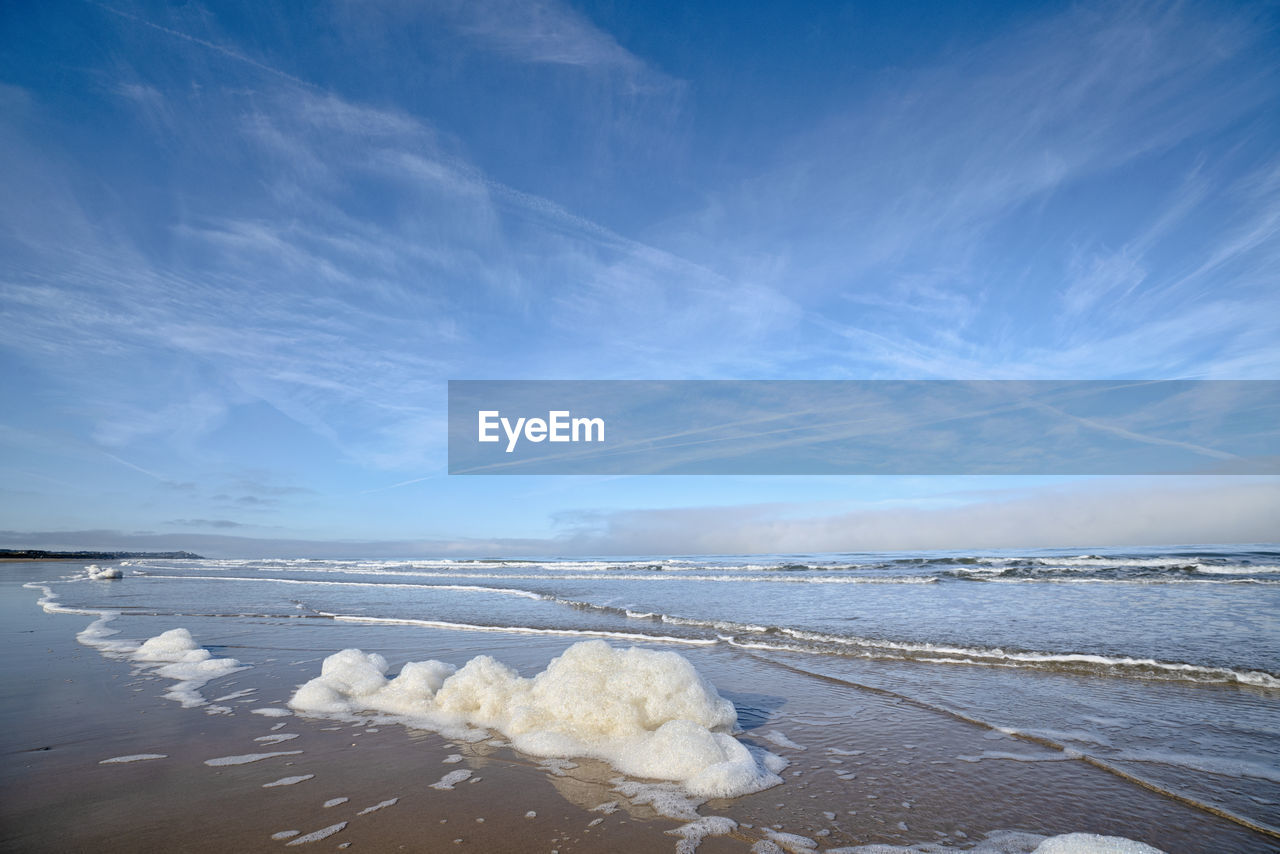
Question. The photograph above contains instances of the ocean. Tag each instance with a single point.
(1156, 669)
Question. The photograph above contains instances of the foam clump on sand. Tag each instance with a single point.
(133, 757)
(173, 645)
(103, 573)
(647, 713)
(96, 635)
(322, 833)
(185, 658)
(692, 834)
(453, 778)
(1090, 843)
(791, 843)
(181, 658)
(288, 781)
(246, 758)
(1017, 842)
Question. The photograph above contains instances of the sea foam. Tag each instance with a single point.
(181, 658)
(1090, 843)
(1017, 842)
(647, 713)
(133, 757)
(246, 758)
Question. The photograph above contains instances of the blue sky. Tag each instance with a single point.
(244, 246)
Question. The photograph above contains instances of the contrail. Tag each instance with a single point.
(225, 51)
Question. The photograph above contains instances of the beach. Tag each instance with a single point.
(872, 751)
(595, 427)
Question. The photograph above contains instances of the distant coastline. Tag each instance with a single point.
(42, 554)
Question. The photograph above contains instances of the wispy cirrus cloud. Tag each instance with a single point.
(548, 32)
(931, 221)
(405, 276)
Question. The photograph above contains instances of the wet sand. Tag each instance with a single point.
(873, 768)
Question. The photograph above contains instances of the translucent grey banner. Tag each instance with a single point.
(816, 427)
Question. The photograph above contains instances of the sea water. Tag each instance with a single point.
(1160, 665)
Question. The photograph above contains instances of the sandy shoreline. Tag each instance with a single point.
(873, 769)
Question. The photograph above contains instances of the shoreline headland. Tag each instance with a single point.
(44, 554)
